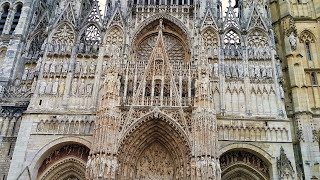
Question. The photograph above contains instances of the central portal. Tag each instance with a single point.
(155, 163)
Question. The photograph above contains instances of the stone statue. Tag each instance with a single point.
(234, 71)
(93, 165)
(95, 48)
(82, 88)
(25, 75)
(74, 87)
(68, 48)
(61, 87)
(89, 89)
(38, 66)
(257, 72)
(240, 71)
(55, 86)
(107, 172)
(47, 67)
(269, 72)
(114, 167)
(85, 67)
(42, 87)
(81, 48)
(227, 70)
(93, 67)
(58, 68)
(49, 87)
(263, 71)
(216, 69)
(251, 71)
(218, 169)
(293, 41)
(53, 67)
(88, 168)
(78, 67)
(65, 66)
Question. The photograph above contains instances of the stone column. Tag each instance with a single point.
(9, 20)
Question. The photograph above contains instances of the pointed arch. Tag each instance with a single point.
(154, 129)
(64, 33)
(258, 37)
(232, 36)
(307, 36)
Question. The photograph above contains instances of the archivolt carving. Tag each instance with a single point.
(245, 161)
(67, 161)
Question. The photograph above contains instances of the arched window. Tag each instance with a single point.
(4, 16)
(308, 39)
(314, 80)
(16, 18)
(308, 51)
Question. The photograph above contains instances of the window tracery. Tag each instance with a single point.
(90, 40)
(62, 40)
(211, 42)
(35, 46)
(306, 36)
(258, 45)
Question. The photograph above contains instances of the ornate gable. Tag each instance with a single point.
(116, 18)
(94, 14)
(209, 20)
(67, 15)
(231, 20)
(256, 20)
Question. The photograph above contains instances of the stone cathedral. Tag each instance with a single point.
(159, 90)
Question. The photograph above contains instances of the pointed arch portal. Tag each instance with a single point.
(155, 149)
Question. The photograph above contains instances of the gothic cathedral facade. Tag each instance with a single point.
(159, 90)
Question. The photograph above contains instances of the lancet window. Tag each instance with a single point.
(314, 80)
(4, 16)
(308, 39)
(16, 18)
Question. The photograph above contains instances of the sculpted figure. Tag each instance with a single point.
(250, 52)
(85, 67)
(97, 166)
(88, 48)
(198, 171)
(88, 168)
(51, 47)
(63, 48)
(251, 71)
(218, 169)
(74, 86)
(279, 68)
(240, 71)
(25, 75)
(53, 67)
(212, 169)
(269, 72)
(95, 48)
(89, 89)
(78, 67)
(216, 69)
(68, 48)
(57, 47)
(257, 72)
(58, 68)
(93, 67)
(114, 167)
(107, 172)
(61, 87)
(38, 66)
(81, 48)
(49, 87)
(227, 71)
(234, 71)
(55, 86)
(102, 165)
(82, 88)
(47, 67)
(263, 71)
(93, 165)
(293, 41)
(42, 87)
(65, 66)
